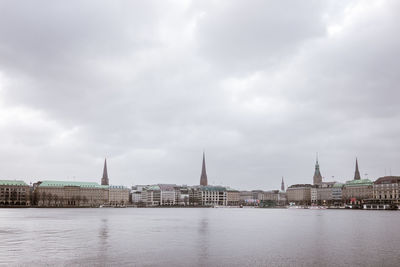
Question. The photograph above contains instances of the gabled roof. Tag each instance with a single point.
(13, 182)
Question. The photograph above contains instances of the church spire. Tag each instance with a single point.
(203, 177)
(317, 174)
(104, 180)
(357, 172)
(282, 185)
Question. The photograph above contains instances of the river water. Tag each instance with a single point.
(199, 237)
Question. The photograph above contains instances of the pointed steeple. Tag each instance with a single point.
(104, 180)
(203, 177)
(282, 185)
(317, 174)
(357, 172)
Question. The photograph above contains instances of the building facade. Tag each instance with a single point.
(168, 195)
(14, 193)
(357, 191)
(386, 192)
(273, 198)
(70, 194)
(232, 197)
(208, 196)
(118, 195)
(299, 194)
(337, 194)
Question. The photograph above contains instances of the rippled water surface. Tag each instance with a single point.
(199, 237)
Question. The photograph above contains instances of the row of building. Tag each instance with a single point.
(16, 193)
(383, 193)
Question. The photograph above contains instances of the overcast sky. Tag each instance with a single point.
(261, 86)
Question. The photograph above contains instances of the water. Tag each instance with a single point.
(199, 237)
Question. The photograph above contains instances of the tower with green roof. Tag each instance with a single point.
(317, 174)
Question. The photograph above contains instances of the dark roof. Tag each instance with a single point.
(388, 180)
(300, 185)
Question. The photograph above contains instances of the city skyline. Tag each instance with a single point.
(316, 179)
(149, 85)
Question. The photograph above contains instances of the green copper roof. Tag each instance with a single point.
(359, 182)
(212, 188)
(13, 182)
(71, 183)
(153, 188)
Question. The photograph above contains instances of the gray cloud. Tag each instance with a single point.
(260, 86)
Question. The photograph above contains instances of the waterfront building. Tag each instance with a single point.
(250, 198)
(139, 195)
(203, 176)
(70, 194)
(104, 179)
(274, 197)
(321, 194)
(118, 195)
(136, 196)
(14, 193)
(168, 194)
(356, 191)
(232, 197)
(386, 190)
(182, 195)
(153, 195)
(208, 195)
(299, 194)
(314, 195)
(337, 194)
(317, 179)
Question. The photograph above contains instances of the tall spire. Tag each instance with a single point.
(104, 180)
(317, 174)
(357, 172)
(203, 177)
(282, 185)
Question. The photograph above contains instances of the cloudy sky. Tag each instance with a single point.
(261, 86)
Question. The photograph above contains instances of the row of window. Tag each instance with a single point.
(12, 189)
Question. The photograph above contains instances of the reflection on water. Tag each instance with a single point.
(198, 237)
(103, 240)
(203, 240)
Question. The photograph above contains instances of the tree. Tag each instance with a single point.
(43, 198)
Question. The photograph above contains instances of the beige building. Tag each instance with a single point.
(70, 194)
(232, 197)
(321, 194)
(168, 194)
(118, 195)
(387, 190)
(357, 191)
(299, 194)
(14, 193)
(208, 196)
